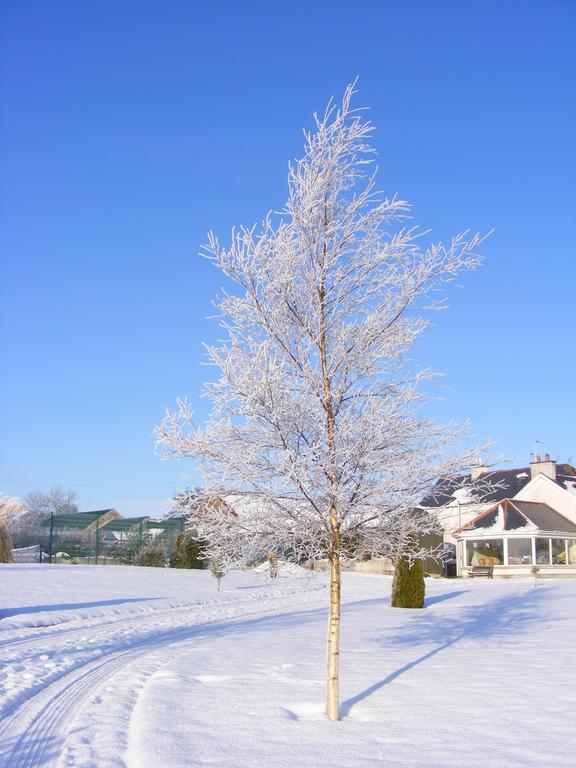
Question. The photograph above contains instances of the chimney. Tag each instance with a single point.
(546, 467)
(478, 469)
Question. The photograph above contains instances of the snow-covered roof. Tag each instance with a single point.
(493, 486)
(513, 515)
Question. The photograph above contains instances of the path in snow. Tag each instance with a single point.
(62, 670)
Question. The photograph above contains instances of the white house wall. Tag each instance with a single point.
(542, 489)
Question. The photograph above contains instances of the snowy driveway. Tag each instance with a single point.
(152, 668)
(67, 659)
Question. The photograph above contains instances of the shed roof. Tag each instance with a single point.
(83, 520)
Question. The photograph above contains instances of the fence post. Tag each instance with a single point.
(51, 534)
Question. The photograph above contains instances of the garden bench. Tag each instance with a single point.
(481, 570)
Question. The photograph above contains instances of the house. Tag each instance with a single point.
(512, 519)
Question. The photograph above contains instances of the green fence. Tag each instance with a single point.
(105, 536)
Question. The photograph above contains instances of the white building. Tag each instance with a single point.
(512, 519)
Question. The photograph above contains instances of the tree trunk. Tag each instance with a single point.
(333, 651)
(333, 655)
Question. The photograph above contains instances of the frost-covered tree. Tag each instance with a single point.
(185, 502)
(317, 415)
(10, 510)
(32, 526)
(40, 505)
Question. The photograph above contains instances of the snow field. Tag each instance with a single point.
(138, 668)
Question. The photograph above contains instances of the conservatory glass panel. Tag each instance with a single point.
(559, 551)
(519, 551)
(543, 551)
(485, 552)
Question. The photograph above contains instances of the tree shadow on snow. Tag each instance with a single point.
(38, 751)
(252, 586)
(384, 601)
(505, 617)
(440, 598)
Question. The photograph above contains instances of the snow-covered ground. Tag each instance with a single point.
(153, 668)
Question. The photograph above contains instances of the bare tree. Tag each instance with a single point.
(31, 527)
(57, 500)
(317, 414)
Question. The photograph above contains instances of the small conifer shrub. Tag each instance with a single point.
(408, 586)
(186, 553)
(217, 570)
(273, 566)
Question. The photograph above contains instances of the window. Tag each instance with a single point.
(485, 552)
(559, 551)
(519, 551)
(543, 551)
(572, 551)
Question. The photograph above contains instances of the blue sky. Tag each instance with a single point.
(131, 129)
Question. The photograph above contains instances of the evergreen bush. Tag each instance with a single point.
(408, 586)
(186, 553)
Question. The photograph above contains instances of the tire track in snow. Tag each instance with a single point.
(43, 721)
(88, 622)
(112, 618)
(115, 621)
(118, 620)
(105, 637)
(36, 728)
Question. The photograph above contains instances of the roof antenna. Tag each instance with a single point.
(536, 444)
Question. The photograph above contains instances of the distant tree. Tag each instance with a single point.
(317, 408)
(408, 587)
(31, 527)
(10, 510)
(57, 501)
(152, 555)
(187, 552)
(125, 551)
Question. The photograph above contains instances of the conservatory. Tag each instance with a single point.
(514, 536)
